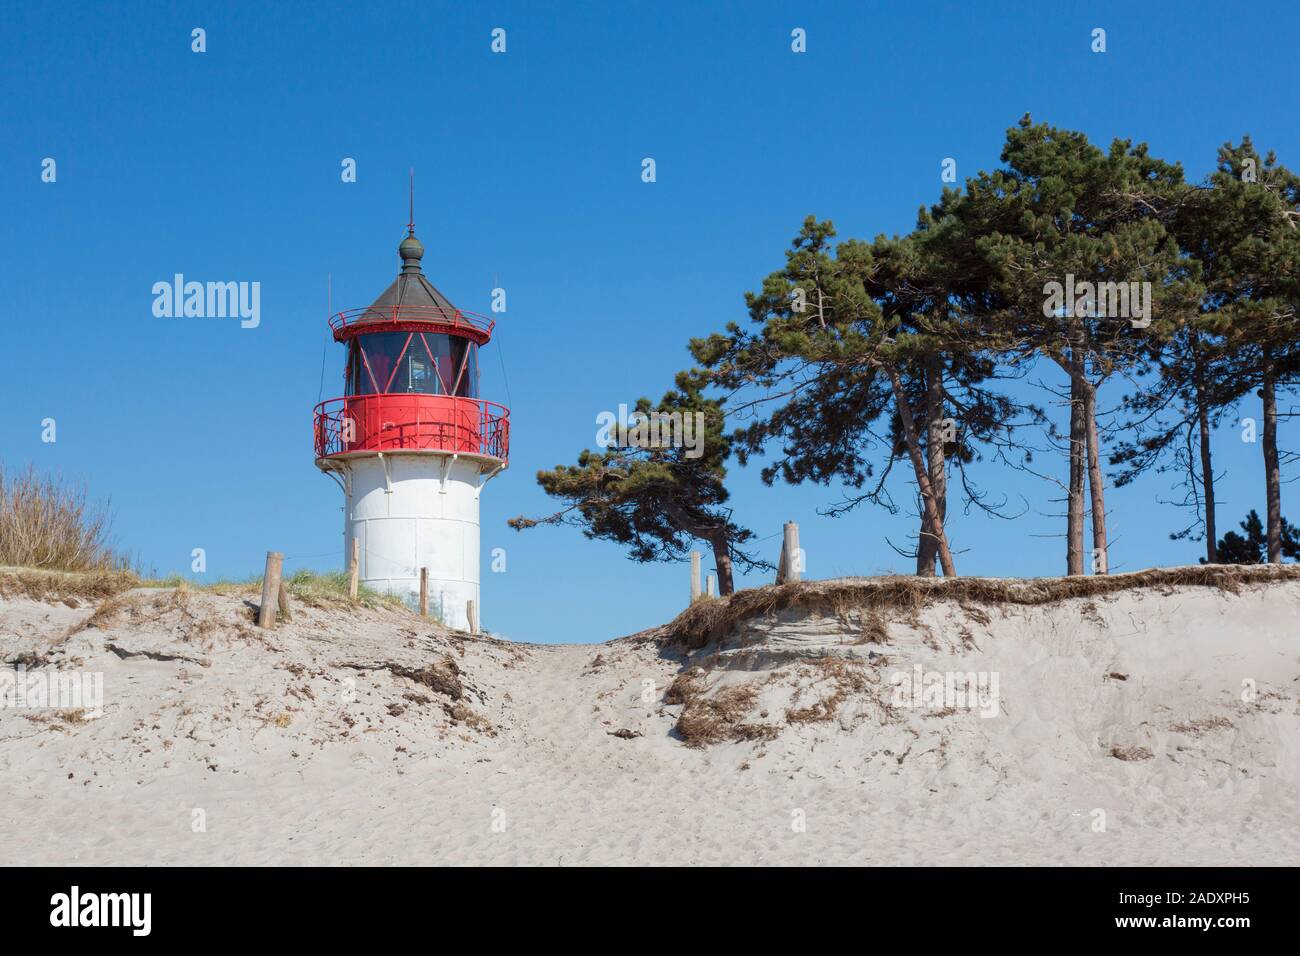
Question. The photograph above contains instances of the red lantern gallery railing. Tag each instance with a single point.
(412, 422)
(407, 318)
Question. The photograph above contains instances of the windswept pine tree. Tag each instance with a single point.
(820, 420)
(1243, 231)
(933, 290)
(864, 345)
(657, 487)
(1196, 380)
(1085, 273)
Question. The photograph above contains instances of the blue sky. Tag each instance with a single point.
(225, 165)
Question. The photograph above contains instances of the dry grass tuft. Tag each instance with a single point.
(708, 621)
(1201, 725)
(844, 677)
(109, 612)
(60, 719)
(441, 676)
(461, 713)
(821, 712)
(138, 607)
(47, 524)
(875, 629)
(710, 720)
(684, 686)
(1131, 753)
(48, 585)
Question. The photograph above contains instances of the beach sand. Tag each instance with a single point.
(1155, 725)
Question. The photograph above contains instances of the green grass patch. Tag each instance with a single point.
(312, 588)
(315, 588)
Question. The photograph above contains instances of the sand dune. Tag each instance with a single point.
(1156, 724)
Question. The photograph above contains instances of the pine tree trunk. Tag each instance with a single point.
(715, 535)
(722, 558)
(928, 547)
(1096, 480)
(922, 476)
(1074, 518)
(1272, 473)
(1207, 465)
(1207, 479)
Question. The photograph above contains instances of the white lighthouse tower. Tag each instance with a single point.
(411, 443)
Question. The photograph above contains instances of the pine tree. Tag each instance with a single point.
(1252, 548)
(862, 345)
(1243, 231)
(652, 494)
(1065, 229)
(1172, 414)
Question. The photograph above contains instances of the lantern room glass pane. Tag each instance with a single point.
(379, 356)
(355, 381)
(469, 381)
(421, 362)
(462, 378)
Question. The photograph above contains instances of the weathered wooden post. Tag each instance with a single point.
(424, 592)
(354, 568)
(285, 610)
(695, 576)
(270, 589)
(471, 612)
(790, 552)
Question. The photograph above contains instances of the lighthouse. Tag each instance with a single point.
(411, 443)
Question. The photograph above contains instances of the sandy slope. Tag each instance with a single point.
(375, 737)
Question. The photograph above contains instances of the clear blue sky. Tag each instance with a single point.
(225, 166)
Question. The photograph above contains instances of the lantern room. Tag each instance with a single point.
(411, 379)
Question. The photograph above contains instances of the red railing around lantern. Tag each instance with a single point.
(411, 318)
(412, 421)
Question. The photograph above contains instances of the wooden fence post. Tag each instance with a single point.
(471, 612)
(790, 552)
(285, 610)
(695, 576)
(424, 592)
(354, 568)
(270, 589)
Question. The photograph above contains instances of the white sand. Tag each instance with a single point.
(257, 731)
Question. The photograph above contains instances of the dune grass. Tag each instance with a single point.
(312, 588)
(43, 584)
(316, 588)
(49, 524)
(707, 621)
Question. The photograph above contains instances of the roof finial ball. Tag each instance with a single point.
(412, 251)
